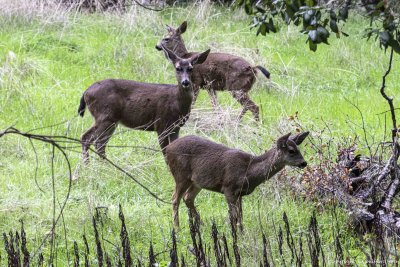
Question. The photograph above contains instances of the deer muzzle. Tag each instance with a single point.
(158, 47)
(185, 83)
(302, 165)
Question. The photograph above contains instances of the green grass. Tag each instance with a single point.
(47, 60)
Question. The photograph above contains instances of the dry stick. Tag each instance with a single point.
(394, 186)
(49, 139)
(12, 130)
(363, 125)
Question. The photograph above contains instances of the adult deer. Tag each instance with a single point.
(162, 108)
(220, 71)
(197, 163)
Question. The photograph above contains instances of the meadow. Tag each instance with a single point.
(50, 54)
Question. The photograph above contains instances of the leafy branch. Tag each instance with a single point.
(319, 19)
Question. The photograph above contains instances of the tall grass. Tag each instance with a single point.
(49, 54)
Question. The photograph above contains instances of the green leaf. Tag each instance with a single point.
(264, 28)
(271, 25)
(310, 3)
(384, 38)
(344, 13)
(239, 3)
(313, 35)
(248, 7)
(322, 33)
(312, 45)
(333, 25)
(332, 14)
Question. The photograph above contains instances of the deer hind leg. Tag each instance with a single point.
(180, 189)
(189, 197)
(196, 91)
(104, 131)
(86, 140)
(244, 99)
(213, 97)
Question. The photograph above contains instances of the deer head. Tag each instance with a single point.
(173, 40)
(184, 67)
(287, 146)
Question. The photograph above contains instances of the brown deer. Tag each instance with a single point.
(197, 163)
(162, 108)
(219, 72)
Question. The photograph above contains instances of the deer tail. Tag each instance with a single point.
(264, 71)
(82, 106)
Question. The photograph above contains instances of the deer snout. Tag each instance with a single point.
(158, 47)
(185, 83)
(302, 165)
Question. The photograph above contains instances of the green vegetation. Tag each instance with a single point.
(49, 57)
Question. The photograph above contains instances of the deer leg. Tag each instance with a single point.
(104, 131)
(240, 214)
(248, 104)
(86, 140)
(189, 197)
(165, 139)
(213, 97)
(196, 91)
(234, 204)
(176, 199)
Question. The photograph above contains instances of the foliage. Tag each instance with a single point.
(319, 19)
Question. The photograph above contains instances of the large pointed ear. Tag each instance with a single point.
(199, 58)
(181, 29)
(169, 28)
(281, 142)
(299, 138)
(170, 55)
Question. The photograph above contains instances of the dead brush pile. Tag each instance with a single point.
(364, 185)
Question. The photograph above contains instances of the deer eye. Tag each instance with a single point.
(292, 151)
(179, 69)
(190, 69)
(167, 39)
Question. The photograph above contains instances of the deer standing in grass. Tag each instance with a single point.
(197, 163)
(162, 108)
(220, 71)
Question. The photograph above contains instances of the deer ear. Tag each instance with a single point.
(199, 58)
(281, 142)
(170, 55)
(169, 28)
(181, 29)
(299, 138)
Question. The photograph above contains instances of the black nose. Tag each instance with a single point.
(185, 83)
(303, 165)
(158, 48)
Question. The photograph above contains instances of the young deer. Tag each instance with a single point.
(197, 163)
(162, 108)
(219, 72)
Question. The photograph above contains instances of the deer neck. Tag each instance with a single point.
(180, 49)
(265, 166)
(185, 98)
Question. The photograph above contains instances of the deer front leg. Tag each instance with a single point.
(165, 138)
(234, 204)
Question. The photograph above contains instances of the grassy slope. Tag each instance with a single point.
(45, 65)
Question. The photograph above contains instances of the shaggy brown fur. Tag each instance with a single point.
(197, 163)
(162, 108)
(219, 72)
